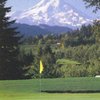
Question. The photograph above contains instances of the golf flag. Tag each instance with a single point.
(41, 67)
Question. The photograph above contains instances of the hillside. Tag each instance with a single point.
(33, 30)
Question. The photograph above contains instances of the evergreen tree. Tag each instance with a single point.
(9, 45)
(93, 3)
(96, 30)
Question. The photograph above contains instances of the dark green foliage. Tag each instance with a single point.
(49, 61)
(96, 30)
(48, 58)
(93, 3)
(26, 60)
(80, 37)
(10, 66)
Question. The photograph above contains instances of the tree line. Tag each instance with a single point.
(81, 45)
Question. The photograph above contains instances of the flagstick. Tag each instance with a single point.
(40, 85)
(40, 82)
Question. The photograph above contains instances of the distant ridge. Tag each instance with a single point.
(32, 30)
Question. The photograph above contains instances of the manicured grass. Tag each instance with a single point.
(72, 84)
(68, 84)
(30, 89)
(67, 61)
(46, 96)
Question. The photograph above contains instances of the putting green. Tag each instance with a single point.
(30, 89)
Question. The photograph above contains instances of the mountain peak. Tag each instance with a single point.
(52, 12)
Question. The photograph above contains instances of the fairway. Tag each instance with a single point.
(45, 96)
(30, 89)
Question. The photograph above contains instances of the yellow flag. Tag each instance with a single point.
(41, 67)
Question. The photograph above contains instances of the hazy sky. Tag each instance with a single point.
(20, 5)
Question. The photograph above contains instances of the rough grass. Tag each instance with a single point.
(30, 89)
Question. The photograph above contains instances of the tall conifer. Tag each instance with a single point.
(9, 45)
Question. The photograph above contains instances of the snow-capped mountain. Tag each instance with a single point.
(51, 12)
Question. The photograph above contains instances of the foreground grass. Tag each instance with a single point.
(45, 96)
(30, 89)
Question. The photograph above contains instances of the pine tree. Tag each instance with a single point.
(96, 30)
(9, 45)
(93, 3)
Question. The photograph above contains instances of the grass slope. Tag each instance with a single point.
(30, 89)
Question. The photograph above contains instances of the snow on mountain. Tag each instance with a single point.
(51, 12)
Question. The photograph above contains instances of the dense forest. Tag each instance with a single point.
(72, 54)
